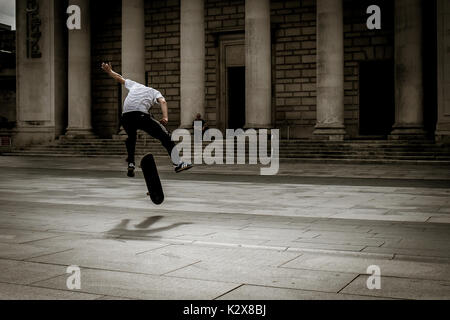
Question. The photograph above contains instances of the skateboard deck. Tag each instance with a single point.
(151, 176)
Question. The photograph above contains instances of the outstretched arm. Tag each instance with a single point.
(165, 111)
(108, 69)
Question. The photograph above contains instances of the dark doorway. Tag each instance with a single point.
(236, 97)
(377, 98)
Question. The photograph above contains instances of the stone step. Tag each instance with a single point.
(445, 160)
(287, 149)
(291, 152)
(361, 150)
(55, 148)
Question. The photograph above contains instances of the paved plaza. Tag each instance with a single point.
(224, 232)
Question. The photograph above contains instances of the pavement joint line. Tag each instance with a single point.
(357, 276)
(105, 296)
(385, 256)
(110, 270)
(157, 248)
(82, 267)
(325, 243)
(355, 295)
(229, 291)
(75, 291)
(47, 254)
(46, 279)
(43, 239)
(326, 271)
(365, 274)
(315, 291)
(188, 265)
(281, 265)
(425, 259)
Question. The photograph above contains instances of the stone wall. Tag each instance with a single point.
(294, 66)
(294, 24)
(294, 58)
(162, 42)
(106, 46)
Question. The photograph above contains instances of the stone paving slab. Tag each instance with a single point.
(249, 292)
(393, 268)
(223, 232)
(292, 206)
(117, 260)
(23, 251)
(23, 236)
(431, 253)
(138, 286)
(266, 276)
(402, 288)
(223, 255)
(20, 272)
(21, 292)
(100, 243)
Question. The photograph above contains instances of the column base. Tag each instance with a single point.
(23, 136)
(442, 136)
(329, 133)
(257, 126)
(408, 132)
(75, 133)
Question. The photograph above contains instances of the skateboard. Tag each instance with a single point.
(155, 190)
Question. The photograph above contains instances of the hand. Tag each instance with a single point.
(107, 67)
(164, 121)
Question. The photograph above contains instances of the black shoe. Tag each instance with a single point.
(131, 168)
(183, 166)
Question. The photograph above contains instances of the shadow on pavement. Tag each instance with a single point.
(121, 230)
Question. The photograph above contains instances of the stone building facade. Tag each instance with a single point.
(310, 68)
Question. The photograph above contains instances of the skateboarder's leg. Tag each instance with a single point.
(154, 128)
(129, 122)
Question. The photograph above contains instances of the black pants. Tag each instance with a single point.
(134, 121)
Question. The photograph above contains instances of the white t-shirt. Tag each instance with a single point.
(140, 97)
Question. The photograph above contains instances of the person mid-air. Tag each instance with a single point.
(136, 116)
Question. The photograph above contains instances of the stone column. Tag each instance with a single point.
(408, 71)
(443, 21)
(80, 75)
(41, 71)
(192, 61)
(133, 41)
(258, 64)
(330, 70)
(133, 45)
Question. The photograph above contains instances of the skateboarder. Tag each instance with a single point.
(136, 116)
